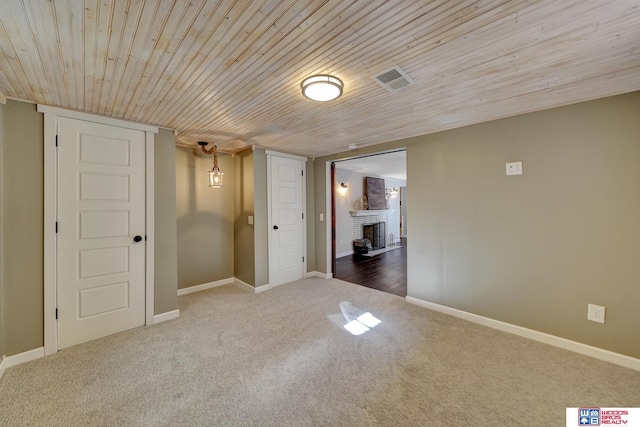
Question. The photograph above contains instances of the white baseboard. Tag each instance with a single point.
(198, 288)
(262, 288)
(344, 254)
(587, 350)
(163, 317)
(244, 285)
(318, 274)
(250, 288)
(17, 359)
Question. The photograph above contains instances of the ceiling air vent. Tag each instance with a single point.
(393, 80)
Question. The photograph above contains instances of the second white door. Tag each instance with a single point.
(286, 250)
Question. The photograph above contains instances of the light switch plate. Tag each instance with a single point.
(514, 168)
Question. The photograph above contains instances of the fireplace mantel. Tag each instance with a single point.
(372, 212)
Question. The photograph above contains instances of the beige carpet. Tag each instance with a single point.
(282, 358)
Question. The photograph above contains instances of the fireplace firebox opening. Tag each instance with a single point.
(375, 233)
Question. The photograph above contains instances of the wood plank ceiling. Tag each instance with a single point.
(230, 71)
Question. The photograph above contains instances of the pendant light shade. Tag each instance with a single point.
(322, 87)
(215, 178)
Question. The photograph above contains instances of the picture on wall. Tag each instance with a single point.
(374, 189)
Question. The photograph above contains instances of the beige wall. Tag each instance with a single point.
(531, 250)
(21, 219)
(165, 244)
(21, 269)
(244, 247)
(2, 108)
(535, 249)
(21, 228)
(215, 240)
(205, 219)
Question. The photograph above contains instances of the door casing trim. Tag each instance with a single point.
(51, 115)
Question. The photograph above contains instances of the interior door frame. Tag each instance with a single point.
(51, 115)
(303, 160)
(333, 219)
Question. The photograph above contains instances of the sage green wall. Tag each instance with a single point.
(260, 218)
(532, 250)
(22, 263)
(165, 244)
(205, 219)
(244, 247)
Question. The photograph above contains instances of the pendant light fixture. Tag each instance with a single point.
(322, 87)
(215, 176)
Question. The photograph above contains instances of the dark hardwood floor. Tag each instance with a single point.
(386, 272)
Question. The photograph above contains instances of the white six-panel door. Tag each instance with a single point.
(101, 210)
(286, 248)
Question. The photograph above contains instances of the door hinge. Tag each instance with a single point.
(56, 314)
(145, 238)
(302, 259)
(56, 226)
(302, 215)
(56, 140)
(302, 172)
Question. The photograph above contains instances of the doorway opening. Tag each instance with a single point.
(368, 221)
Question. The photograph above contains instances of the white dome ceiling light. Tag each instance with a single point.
(322, 87)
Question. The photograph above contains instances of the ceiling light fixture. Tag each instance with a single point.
(215, 176)
(322, 87)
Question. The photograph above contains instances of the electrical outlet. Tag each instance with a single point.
(595, 313)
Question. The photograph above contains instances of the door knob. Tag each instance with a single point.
(137, 239)
(275, 227)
